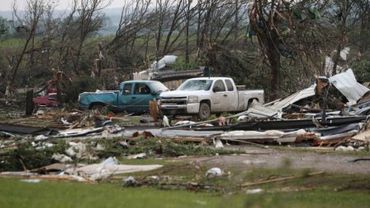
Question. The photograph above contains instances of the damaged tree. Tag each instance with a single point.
(35, 10)
(263, 16)
(89, 20)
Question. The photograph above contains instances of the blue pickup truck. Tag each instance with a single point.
(132, 96)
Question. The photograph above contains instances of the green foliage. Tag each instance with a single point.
(30, 157)
(361, 69)
(181, 64)
(4, 28)
(14, 193)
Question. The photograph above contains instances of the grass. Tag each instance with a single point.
(309, 199)
(14, 193)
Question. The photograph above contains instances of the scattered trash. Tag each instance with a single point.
(64, 122)
(270, 135)
(217, 142)
(166, 122)
(214, 172)
(40, 138)
(31, 180)
(345, 149)
(129, 182)
(137, 156)
(100, 147)
(39, 113)
(181, 123)
(77, 150)
(124, 144)
(61, 158)
(108, 168)
(254, 191)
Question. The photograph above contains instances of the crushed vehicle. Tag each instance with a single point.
(206, 95)
(49, 100)
(132, 97)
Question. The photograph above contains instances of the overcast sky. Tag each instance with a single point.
(6, 5)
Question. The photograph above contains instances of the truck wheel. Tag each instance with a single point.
(204, 111)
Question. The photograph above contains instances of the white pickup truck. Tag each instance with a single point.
(206, 95)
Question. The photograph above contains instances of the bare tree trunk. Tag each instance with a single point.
(199, 23)
(236, 27)
(175, 19)
(35, 10)
(187, 50)
(88, 17)
(159, 12)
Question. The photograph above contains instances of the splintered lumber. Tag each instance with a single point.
(281, 179)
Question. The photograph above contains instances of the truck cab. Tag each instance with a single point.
(132, 96)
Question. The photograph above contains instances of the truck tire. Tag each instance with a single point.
(204, 111)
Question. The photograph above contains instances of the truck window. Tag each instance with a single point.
(127, 89)
(229, 84)
(141, 89)
(197, 84)
(219, 86)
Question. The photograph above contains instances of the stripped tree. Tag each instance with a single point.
(28, 26)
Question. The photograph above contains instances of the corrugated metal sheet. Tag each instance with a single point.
(308, 92)
(347, 84)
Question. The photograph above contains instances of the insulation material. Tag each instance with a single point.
(108, 168)
(274, 135)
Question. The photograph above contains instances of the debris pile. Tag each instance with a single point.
(332, 112)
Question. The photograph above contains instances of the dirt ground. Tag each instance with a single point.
(331, 162)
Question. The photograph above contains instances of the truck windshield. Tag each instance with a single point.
(158, 87)
(193, 85)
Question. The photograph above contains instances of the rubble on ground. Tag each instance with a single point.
(331, 113)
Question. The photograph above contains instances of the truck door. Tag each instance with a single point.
(232, 96)
(124, 99)
(141, 97)
(219, 98)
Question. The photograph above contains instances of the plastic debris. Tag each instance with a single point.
(31, 180)
(214, 172)
(254, 191)
(218, 143)
(166, 121)
(345, 149)
(64, 121)
(61, 158)
(129, 182)
(40, 138)
(137, 156)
